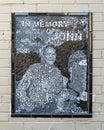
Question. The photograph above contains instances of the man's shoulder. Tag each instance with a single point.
(58, 70)
(35, 65)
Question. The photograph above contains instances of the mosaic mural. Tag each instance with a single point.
(51, 65)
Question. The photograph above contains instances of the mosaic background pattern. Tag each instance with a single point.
(69, 36)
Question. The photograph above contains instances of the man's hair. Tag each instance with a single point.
(49, 46)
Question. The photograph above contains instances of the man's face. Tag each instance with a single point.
(50, 55)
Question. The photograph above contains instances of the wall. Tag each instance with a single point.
(9, 123)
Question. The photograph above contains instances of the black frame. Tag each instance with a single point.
(90, 52)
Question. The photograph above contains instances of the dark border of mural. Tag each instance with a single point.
(90, 64)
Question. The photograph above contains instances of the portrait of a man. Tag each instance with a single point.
(50, 65)
(44, 83)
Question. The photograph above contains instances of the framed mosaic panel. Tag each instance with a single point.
(52, 64)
